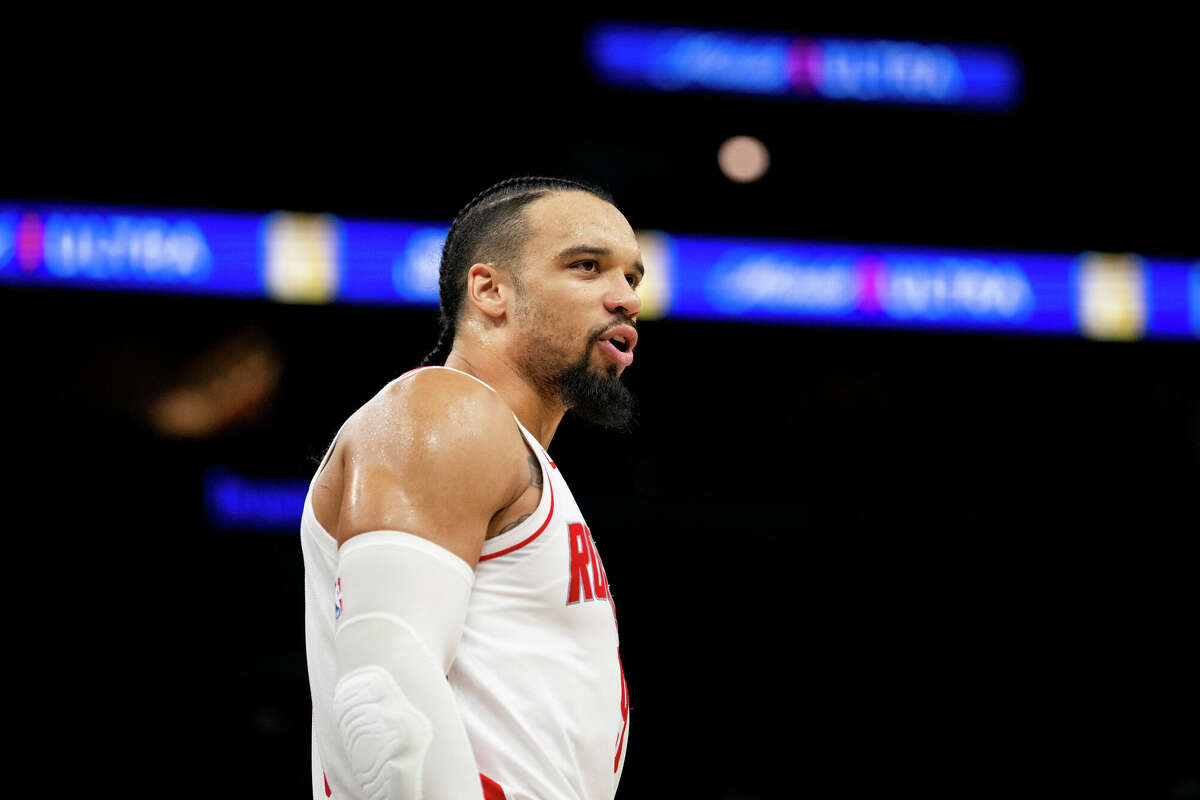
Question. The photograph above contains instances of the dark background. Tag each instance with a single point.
(846, 563)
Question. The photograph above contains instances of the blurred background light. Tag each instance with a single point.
(1194, 298)
(743, 159)
(301, 255)
(323, 259)
(226, 386)
(237, 502)
(673, 58)
(1112, 296)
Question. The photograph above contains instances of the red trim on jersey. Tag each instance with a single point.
(624, 713)
(534, 535)
(491, 789)
(328, 791)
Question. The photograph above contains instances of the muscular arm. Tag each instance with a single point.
(426, 468)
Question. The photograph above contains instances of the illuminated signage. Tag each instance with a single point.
(1111, 296)
(294, 258)
(948, 287)
(748, 281)
(301, 255)
(415, 268)
(8, 237)
(864, 285)
(672, 59)
(119, 247)
(132, 250)
(1194, 298)
(234, 502)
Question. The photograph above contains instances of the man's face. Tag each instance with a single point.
(576, 311)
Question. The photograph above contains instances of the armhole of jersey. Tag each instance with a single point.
(327, 542)
(531, 528)
(539, 520)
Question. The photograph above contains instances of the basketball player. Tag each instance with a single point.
(462, 641)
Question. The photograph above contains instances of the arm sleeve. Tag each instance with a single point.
(403, 605)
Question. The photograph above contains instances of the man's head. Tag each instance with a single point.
(542, 271)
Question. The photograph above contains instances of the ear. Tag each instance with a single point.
(488, 290)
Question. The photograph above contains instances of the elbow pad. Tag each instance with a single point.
(403, 602)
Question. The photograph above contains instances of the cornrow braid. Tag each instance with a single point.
(489, 228)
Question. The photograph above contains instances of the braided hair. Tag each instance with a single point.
(489, 228)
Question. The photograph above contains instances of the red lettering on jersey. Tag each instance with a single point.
(598, 578)
(491, 789)
(328, 791)
(580, 580)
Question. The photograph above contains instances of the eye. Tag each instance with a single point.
(633, 281)
(587, 266)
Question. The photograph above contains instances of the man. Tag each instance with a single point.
(462, 641)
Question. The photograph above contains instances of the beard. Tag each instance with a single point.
(594, 395)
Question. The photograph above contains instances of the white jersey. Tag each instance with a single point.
(537, 677)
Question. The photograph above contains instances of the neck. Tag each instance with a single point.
(539, 414)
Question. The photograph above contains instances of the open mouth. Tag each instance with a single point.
(618, 343)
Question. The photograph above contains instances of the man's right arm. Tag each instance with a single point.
(424, 472)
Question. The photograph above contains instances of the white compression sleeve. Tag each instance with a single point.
(404, 601)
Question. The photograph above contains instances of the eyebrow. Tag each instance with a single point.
(587, 249)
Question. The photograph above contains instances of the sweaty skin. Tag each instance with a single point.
(439, 455)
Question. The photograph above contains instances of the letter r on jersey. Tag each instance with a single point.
(581, 580)
(587, 571)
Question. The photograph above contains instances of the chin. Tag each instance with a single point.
(597, 395)
(612, 370)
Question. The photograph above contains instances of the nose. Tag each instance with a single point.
(623, 300)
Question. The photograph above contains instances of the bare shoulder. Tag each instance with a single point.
(435, 455)
(438, 413)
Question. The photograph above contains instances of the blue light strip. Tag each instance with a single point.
(1193, 301)
(393, 260)
(322, 259)
(671, 59)
(174, 251)
(873, 286)
(234, 502)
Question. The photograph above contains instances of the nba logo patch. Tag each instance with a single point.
(337, 599)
